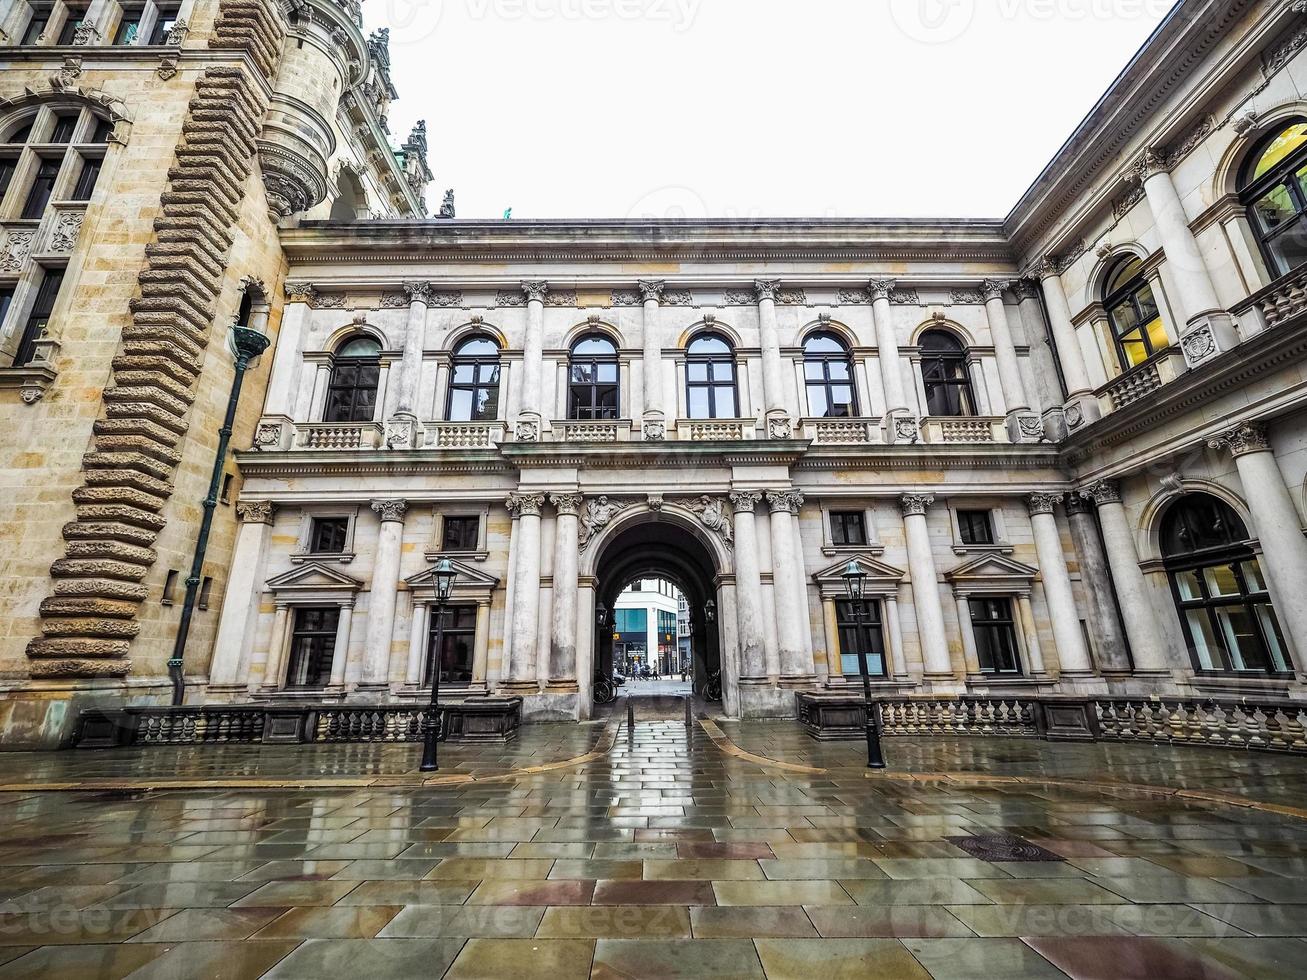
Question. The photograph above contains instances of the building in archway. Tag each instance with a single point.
(1067, 445)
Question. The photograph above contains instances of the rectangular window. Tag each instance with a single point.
(129, 28)
(225, 496)
(163, 26)
(72, 21)
(206, 592)
(458, 635)
(865, 637)
(6, 301)
(36, 26)
(976, 527)
(87, 180)
(169, 585)
(103, 130)
(64, 128)
(328, 535)
(461, 533)
(7, 167)
(996, 635)
(634, 621)
(42, 187)
(312, 645)
(848, 527)
(40, 316)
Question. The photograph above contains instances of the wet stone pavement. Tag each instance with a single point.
(665, 855)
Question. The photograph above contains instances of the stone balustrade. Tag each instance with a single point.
(1284, 299)
(339, 435)
(715, 430)
(980, 429)
(592, 430)
(842, 432)
(463, 435)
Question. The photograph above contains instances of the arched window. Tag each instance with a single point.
(474, 382)
(828, 374)
(1274, 188)
(1132, 308)
(1219, 589)
(944, 372)
(352, 394)
(710, 378)
(593, 391)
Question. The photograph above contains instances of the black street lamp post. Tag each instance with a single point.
(444, 575)
(246, 344)
(855, 581)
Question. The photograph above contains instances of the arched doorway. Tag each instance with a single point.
(663, 548)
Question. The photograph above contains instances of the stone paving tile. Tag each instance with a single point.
(91, 962)
(551, 959)
(297, 893)
(615, 922)
(687, 893)
(216, 960)
(396, 959)
(519, 892)
(780, 893)
(742, 922)
(619, 959)
(1129, 959)
(897, 921)
(192, 925)
(1039, 920)
(487, 921)
(343, 922)
(1262, 920)
(841, 959)
(992, 959)
(1255, 958)
(1045, 891)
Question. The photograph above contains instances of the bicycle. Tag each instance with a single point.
(712, 691)
(605, 691)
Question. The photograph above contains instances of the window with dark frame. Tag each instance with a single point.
(710, 378)
(474, 382)
(129, 28)
(36, 26)
(164, 25)
(945, 375)
(995, 630)
(87, 179)
(328, 535)
(593, 391)
(355, 375)
(38, 195)
(976, 527)
(73, 19)
(1133, 312)
(206, 592)
(848, 527)
(46, 296)
(460, 533)
(459, 635)
(8, 167)
(828, 376)
(6, 301)
(65, 126)
(1273, 186)
(867, 636)
(312, 646)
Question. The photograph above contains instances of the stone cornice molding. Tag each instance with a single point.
(916, 504)
(1244, 438)
(390, 511)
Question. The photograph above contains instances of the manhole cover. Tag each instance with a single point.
(1003, 847)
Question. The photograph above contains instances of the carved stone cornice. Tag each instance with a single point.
(1245, 438)
(745, 501)
(391, 511)
(1102, 492)
(1043, 503)
(651, 290)
(418, 292)
(255, 511)
(567, 504)
(535, 291)
(765, 289)
(525, 504)
(787, 501)
(916, 504)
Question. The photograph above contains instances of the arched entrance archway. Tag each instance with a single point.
(652, 546)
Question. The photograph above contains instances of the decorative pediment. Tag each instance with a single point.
(313, 577)
(882, 578)
(471, 583)
(991, 573)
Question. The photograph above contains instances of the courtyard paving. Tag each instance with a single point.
(731, 850)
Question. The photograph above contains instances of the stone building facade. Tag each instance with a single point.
(1068, 446)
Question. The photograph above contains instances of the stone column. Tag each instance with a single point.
(655, 418)
(1030, 628)
(969, 652)
(1110, 644)
(891, 365)
(340, 650)
(1023, 425)
(1047, 396)
(925, 587)
(562, 647)
(287, 366)
(240, 604)
(894, 637)
(380, 636)
(530, 420)
(1276, 523)
(401, 431)
(481, 644)
(1208, 328)
(748, 588)
(779, 423)
(834, 662)
(1067, 634)
(796, 665)
(1147, 641)
(417, 645)
(523, 643)
(275, 668)
(1081, 406)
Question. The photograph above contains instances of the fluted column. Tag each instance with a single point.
(1208, 328)
(796, 665)
(655, 417)
(748, 588)
(779, 423)
(384, 592)
(1147, 641)
(925, 586)
(526, 592)
(1023, 425)
(531, 404)
(887, 348)
(1276, 523)
(1067, 634)
(1082, 406)
(240, 604)
(562, 646)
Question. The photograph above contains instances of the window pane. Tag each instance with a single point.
(607, 373)
(1289, 248)
(698, 403)
(818, 406)
(839, 370)
(461, 533)
(814, 371)
(1156, 332)
(1271, 634)
(697, 371)
(460, 405)
(486, 405)
(725, 403)
(842, 396)
(1252, 576)
(1133, 349)
(1124, 318)
(1279, 148)
(1206, 646)
(1221, 581)
(1188, 586)
(464, 374)
(1241, 638)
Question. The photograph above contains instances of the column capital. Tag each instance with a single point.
(651, 290)
(255, 511)
(567, 504)
(744, 501)
(788, 501)
(535, 291)
(992, 289)
(1150, 163)
(916, 504)
(1102, 492)
(881, 288)
(1245, 438)
(1076, 504)
(1025, 288)
(300, 292)
(765, 289)
(1043, 503)
(391, 511)
(418, 292)
(1046, 267)
(525, 504)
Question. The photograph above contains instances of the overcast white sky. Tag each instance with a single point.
(743, 108)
